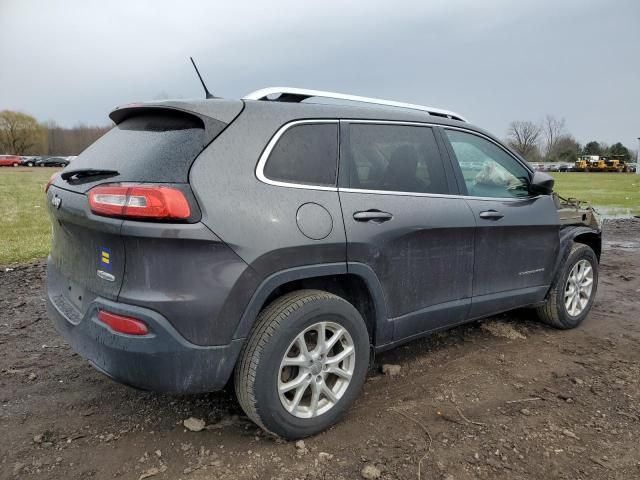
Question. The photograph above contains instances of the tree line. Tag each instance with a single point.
(549, 141)
(545, 141)
(22, 134)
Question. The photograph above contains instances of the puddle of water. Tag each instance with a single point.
(613, 213)
(617, 245)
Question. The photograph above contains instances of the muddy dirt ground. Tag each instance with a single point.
(503, 398)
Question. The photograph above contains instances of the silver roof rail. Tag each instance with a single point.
(291, 94)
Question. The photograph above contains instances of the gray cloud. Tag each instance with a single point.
(493, 61)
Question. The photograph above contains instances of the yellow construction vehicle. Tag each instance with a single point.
(598, 165)
(590, 163)
(613, 165)
(582, 164)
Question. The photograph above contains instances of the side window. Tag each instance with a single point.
(307, 154)
(398, 158)
(488, 170)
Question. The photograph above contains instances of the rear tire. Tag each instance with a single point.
(572, 294)
(288, 380)
(29, 164)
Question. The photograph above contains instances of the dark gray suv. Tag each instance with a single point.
(280, 243)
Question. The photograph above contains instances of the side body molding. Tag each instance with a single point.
(382, 328)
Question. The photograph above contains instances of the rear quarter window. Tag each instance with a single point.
(305, 154)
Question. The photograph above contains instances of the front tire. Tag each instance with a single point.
(572, 295)
(303, 364)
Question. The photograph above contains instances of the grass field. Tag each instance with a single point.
(610, 193)
(24, 224)
(25, 231)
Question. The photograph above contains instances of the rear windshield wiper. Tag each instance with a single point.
(87, 172)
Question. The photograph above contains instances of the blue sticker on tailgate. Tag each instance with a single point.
(106, 259)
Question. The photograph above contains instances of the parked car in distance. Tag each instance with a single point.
(339, 231)
(9, 161)
(51, 162)
(28, 161)
(566, 167)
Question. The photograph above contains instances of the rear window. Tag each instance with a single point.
(306, 154)
(148, 148)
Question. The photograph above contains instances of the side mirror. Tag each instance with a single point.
(541, 184)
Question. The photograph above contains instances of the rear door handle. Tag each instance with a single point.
(372, 216)
(491, 215)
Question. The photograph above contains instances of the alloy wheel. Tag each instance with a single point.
(316, 370)
(578, 289)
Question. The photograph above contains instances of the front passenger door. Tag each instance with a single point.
(517, 234)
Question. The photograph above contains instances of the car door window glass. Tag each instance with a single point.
(487, 169)
(306, 154)
(399, 158)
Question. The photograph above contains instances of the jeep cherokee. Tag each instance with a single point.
(280, 243)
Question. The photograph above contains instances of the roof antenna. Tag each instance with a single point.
(208, 94)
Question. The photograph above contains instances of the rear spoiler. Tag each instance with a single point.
(212, 116)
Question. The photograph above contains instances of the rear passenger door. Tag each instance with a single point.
(517, 238)
(404, 221)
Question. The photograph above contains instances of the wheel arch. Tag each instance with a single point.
(355, 282)
(580, 234)
(592, 239)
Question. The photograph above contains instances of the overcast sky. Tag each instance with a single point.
(492, 61)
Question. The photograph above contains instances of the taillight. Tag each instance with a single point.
(122, 324)
(139, 202)
(51, 180)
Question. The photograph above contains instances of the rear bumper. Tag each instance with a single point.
(162, 361)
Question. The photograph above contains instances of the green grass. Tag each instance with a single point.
(25, 231)
(610, 193)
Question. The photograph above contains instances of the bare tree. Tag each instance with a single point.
(20, 133)
(552, 129)
(71, 141)
(565, 149)
(524, 136)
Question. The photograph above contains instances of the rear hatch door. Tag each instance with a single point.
(154, 144)
(87, 253)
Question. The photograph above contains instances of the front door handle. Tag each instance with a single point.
(372, 216)
(491, 215)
